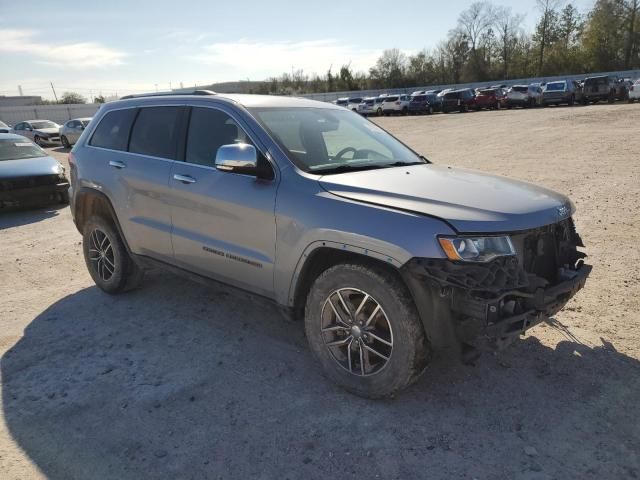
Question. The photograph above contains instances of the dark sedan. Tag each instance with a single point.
(28, 176)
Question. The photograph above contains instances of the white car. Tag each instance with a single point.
(524, 96)
(396, 104)
(371, 106)
(42, 132)
(353, 102)
(634, 91)
(70, 132)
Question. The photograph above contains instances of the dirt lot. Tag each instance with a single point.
(178, 380)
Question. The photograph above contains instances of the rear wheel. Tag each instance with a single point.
(363, 327)
(107, 259)
(37, 140)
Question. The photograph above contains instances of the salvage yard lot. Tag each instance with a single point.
(179, 380)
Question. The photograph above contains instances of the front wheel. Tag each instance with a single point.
(37, 140)
(65, 142)
(107, 259)
(364, 329)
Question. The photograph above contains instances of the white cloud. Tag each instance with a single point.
(260, 60)
(78, 55)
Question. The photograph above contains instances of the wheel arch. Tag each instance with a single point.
(324, 255)
(89, 202)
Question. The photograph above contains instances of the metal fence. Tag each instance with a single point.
(56, 113)
(331, 96)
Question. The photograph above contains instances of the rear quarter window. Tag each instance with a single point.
(113, 130)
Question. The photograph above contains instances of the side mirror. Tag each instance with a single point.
(28, 129)
(237, 157)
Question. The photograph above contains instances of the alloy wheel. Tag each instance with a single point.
(101, 254)
(356, 331)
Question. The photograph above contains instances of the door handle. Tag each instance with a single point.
(184, 178)
(117, 164)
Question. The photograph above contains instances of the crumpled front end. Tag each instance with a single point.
(502, 298)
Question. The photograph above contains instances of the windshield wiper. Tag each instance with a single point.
(403, 164)
(348, 168)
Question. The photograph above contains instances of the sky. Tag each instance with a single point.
(119, 47)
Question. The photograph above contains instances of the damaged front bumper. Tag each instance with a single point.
(501, 299)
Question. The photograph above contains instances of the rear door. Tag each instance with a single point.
(136, 149)
(223, 223)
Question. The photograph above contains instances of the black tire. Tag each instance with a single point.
(405, 110)
(410, 351)
(379, 112)
(430, 110)
(125, 274)
(37, 140)
(65, 142)
(64, 197)
(572, 101)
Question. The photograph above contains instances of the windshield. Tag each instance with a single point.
(85, 122)
(330, 141)
(555, 86)
(19, 148)
(419, 98)
(43, 124)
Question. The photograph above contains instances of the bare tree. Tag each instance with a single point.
(509, 28)
(548, 10)
(475, 22)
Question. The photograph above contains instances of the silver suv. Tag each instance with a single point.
(387, 256)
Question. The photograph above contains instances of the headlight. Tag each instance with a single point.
(476, 249)
(59, 169)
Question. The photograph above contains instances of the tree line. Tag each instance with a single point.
(490, 42)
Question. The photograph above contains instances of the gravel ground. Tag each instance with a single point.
(179, 380)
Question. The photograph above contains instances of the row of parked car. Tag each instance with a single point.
(568, 92)
(46, 132)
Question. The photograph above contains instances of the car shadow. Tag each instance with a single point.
(60, 149)
(17, 216)
(179, 380)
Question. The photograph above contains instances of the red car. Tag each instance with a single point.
(491, 98)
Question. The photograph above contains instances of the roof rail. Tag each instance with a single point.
(164, 94)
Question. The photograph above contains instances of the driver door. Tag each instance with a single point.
(223, 223)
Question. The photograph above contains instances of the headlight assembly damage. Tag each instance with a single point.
(498, 287)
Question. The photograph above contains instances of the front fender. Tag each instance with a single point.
(308, 218)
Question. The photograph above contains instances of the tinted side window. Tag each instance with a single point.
(19, 126)
(113, 130)
(155, 132)
(209, 129)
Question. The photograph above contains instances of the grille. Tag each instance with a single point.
(27, 182)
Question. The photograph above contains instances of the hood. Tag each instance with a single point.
(470, 201)
(48, 131)
(29, 167)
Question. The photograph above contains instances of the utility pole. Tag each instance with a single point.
(54, 92)
(156, 87)
(20, 90)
